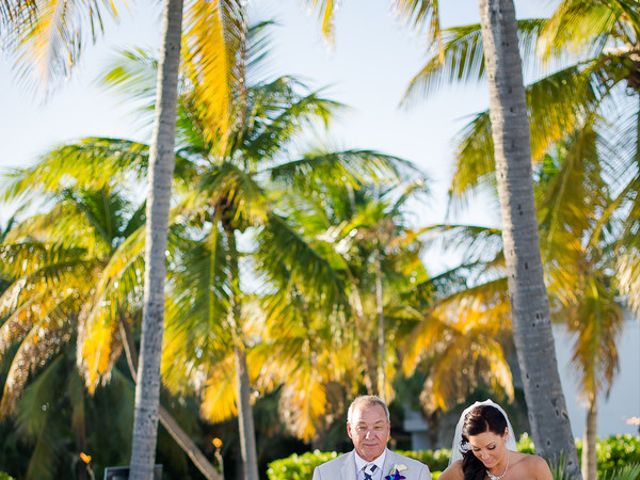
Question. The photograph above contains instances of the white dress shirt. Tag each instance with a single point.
(379, 462)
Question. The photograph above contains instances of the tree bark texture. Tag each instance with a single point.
(589, 465)
(529, 303)
(161, 165)
(243, 393)
(181, 437)
(382, 378)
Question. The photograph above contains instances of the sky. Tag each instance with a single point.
(368, 68)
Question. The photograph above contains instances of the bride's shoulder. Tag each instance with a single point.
(453, 472)
(535, 466)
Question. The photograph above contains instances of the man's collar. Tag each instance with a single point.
(360, 462)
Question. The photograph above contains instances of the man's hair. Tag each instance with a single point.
(367, 401)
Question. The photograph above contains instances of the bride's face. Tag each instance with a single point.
(490, 448)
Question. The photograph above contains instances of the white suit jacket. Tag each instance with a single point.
(344, 468)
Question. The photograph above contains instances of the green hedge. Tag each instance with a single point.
(298, 467)
(612, 452)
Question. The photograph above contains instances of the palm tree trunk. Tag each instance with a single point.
(245, 418)
(181, 437)
(529, 303)
(364, 341)
(243, 394)
(382, 380)
(161, 165)
(589, 464)
(78, 424)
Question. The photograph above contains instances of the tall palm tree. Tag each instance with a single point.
(238, 192)
(579, 257)
(228, 182)
(530, 305)
(311, 343)
(510, 131)
(42, 31)
(579, 251)
(161, 166)
(593, 89)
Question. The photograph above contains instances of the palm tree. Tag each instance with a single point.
(362, 232)
(161, 166)
(530, 305)
(382, 257)
(90, 238)
(593, 89)
(461, 336)
(227, 184)
(580, 255)
(48, 284)
(510, 131)
(35, 34)
(238, 193)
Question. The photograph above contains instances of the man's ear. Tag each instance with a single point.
(349, 430)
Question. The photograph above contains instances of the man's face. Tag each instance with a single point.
(369, 431)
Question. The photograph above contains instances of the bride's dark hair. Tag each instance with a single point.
(483, 418)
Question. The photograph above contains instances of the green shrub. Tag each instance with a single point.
(436, 459)
(6, 476)
(617, 451)
(613, 452)
(525, 444)
(298, 467)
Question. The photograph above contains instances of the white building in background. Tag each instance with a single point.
(624, 399)
(622, 404)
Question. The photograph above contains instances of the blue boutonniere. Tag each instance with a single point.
(395, 474)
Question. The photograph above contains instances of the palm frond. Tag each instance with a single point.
(627, 258)
(16, 12)
(132, 73)
(35, 350)
(353, 167)
(219, 395)
(461, 60)
(597, 320)
(326, 12)
(117, 288)
(577, 24)
(557, 104)
(236, 193)
(197, 332)
(92, 163)
(313, 267)
(214, 49)
(50, 35)
(303, 403)
(258, 48)
(420, 14)
(277, 112)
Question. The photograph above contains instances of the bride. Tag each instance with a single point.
(484, 447)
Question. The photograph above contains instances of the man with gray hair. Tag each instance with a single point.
(369, 427)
